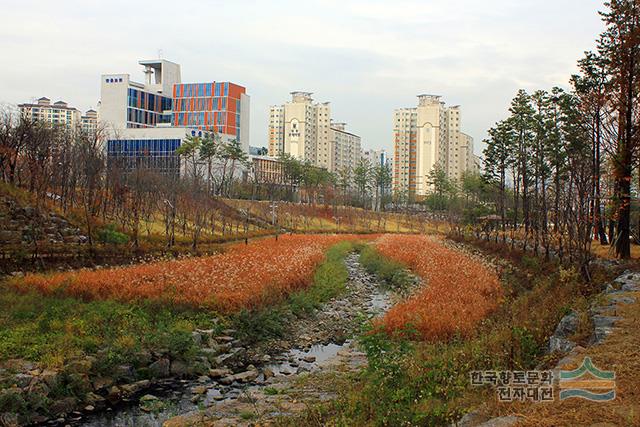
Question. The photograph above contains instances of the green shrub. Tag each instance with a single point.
(109, 234)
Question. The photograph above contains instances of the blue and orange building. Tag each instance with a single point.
(149, 121)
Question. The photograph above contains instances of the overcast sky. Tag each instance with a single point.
(365, 57)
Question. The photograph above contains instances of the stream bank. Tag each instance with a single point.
(248, 383)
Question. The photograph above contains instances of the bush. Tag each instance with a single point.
(109, 234)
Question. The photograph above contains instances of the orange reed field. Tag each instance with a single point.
(248, 276)
(459, 290)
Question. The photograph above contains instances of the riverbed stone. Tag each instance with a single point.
(102, 383)
(199, 389)
(219, 373)
(268, 373)
(246, 376)
(160, 368)
(227, 380)
(63, 406)
(179, 368)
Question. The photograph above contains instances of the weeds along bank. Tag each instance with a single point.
(244, 276)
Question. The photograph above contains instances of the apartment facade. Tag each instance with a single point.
(147, 122)
(377, 158)
(346, 147)
(304, 129)
(266, 170)
(424, 137)
(58, 114)
(89, 122)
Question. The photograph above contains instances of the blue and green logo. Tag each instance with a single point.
(588, 382)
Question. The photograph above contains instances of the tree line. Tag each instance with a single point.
(71, 169)
(560, 168)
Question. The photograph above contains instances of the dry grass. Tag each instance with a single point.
(608, 252)
(619, 353)
(244, 276)
(459, 292)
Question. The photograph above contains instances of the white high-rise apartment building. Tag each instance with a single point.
(426, 136)
(346, 149)
(303, 129)
(376, 157)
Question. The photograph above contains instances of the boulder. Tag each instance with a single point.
(63, 406)
(102, 383)
(94, 400)
(22, 380)
(197, 338)
(133, 388)
(160, 368)
(559, 340)
(246, 376)
(124, 372)
(8, 419)
(622, 300)
(179, 368)
(114, 395)
(605, 321)
(218, 373)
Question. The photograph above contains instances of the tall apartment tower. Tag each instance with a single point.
(427, 136)
(303, 129)
(346, 147)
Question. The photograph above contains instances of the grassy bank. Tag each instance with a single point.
(392, 273)
(53, 329)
